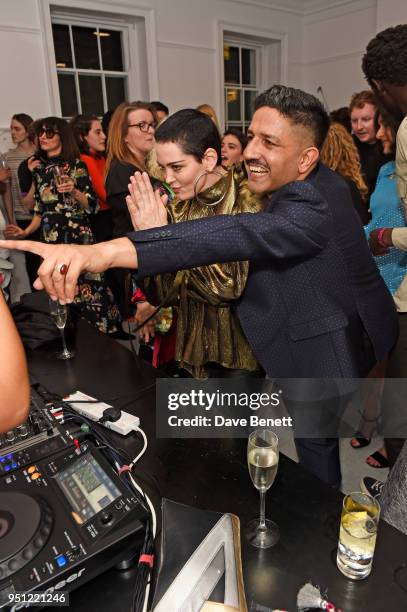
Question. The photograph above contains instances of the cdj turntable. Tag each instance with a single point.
(39, 436)
(65, 515)
(63, 520)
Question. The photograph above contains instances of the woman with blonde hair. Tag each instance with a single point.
(340, 154)
(131, 138)
(207, 109)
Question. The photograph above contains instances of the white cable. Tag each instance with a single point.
(143, 450)
(149, 503)
(146, 596)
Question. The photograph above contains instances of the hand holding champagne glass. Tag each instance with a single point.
(59, 314)
(262, 459)
(5, 169)
(61, 178)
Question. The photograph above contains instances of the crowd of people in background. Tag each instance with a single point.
(67, 182)
(96, 158)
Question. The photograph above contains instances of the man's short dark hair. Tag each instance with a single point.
(159, 106)
(192, 130)
(300, 107)
(386, 57)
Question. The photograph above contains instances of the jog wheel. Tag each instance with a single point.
(25, 526)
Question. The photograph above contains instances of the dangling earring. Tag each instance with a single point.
(207, 173)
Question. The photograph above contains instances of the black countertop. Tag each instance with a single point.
(213, 474)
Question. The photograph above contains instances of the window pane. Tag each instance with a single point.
(231, 62)
(248, 67)
(236, 126)
(67, 93)
(233, 102)
(62, 46)
(111, 43)
(91, 94)
(116, 91)
(249, 98)
(85, 46)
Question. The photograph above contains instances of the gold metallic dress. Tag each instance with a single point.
(207, 328)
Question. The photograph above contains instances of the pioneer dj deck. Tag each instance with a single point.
(39, 436)
(65, 514)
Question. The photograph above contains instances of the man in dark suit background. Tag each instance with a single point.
(314, 305)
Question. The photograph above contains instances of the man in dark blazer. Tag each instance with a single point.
(314, 305)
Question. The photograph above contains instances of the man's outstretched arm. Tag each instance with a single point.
(297, 227)
(99, 257)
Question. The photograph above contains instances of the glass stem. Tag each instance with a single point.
(262, 524)
(62, 331)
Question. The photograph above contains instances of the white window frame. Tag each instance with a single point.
(257, 48)
(98, 25)
(266, 39)
(139, 24)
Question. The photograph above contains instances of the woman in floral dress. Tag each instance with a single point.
(64, 202)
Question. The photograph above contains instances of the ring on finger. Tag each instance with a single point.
(61, 268)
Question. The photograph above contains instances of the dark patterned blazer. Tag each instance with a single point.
(314, 304)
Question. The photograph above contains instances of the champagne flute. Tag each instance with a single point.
(61, 177)
(59, 314)
(262, 460)
(4, 165)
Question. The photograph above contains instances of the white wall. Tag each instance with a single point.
(22, 70)
(335, 40)
(186, 45)
(390, 13)
(334, 43)
(322, 46)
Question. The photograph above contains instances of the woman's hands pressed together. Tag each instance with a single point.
(146, 206)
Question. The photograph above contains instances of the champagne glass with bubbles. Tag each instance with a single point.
(59, 314)
(262, 460)
(61, 177)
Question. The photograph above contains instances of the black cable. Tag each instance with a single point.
(144, 571)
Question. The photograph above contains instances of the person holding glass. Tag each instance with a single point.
(64, 203)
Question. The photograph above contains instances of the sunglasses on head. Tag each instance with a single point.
(49, 132)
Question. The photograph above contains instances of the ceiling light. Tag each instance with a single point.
(102, 34)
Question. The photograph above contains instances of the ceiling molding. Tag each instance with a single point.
(303, 8)
(290, 6)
